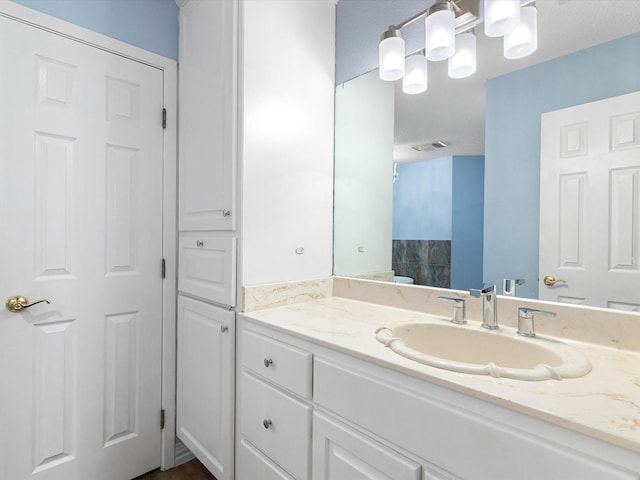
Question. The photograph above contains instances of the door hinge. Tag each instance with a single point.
(161, 419)
(164, 268)
(164, 118)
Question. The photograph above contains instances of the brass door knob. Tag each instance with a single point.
(19, 303)
(550, 280)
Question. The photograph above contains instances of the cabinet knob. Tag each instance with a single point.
(199, 243)
(223, 328)
(266, 423)
(226, 213)
(268, 362)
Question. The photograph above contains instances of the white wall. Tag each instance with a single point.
(364, 167)
(287, 139)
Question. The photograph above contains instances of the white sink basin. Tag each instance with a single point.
(472, 349)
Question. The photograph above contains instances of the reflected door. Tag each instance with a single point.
(81, 209)
(590, 204)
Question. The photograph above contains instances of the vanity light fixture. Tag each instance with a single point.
(443, 20)
(523, 40)
(415, 78)
(462, 63)
(500, 17)
(391, 55)
(440, 31)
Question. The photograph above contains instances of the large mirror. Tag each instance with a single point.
(468, 213)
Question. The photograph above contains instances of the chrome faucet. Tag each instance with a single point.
(489, 306)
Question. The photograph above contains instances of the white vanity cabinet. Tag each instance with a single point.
(370, 422)
(274, 409)
(205, 380)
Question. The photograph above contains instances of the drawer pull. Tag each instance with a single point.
(199, 243)
(268, 362)
(224, 328)
(266, 423)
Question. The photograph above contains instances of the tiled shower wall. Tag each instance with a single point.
(428, 262)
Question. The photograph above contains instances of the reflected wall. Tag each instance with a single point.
(514, 104)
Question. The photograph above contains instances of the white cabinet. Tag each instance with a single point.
(253, 464)
(449, 431)
(277, 423)
(207, 217)
(208, 110)
(342, 453)
(286, 366)
(274, 412)
(207, 267)
(205, 390)
(371, 423)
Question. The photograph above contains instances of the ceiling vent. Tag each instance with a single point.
(429, 147)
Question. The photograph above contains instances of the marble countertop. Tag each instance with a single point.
(604, 404)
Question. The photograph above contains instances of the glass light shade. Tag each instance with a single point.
(391, 58)
(440, 34)
(463, 62)
(523, 40)
(500, 16)
(415, 77)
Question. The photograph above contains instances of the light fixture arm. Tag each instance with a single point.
(426, 12)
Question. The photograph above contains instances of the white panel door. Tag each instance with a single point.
(590, 203)
(205, 393)
(81, 225)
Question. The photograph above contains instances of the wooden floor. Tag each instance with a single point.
(192, 470)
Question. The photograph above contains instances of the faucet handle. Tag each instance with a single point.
(526, 320)
(458, 315)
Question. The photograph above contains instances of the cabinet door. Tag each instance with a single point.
(341, 453)
(207, 123)
(205, 395)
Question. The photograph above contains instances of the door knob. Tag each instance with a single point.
(19, 303)
(550, 280)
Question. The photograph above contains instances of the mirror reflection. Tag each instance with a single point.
(469, 213)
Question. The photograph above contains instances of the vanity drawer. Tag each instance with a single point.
(277, 424)
(206, 267)
(278, 362)
(251, 464)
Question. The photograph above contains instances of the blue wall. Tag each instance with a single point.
(422, 200)
(512, 156)
(467, 226)
(442, 199)
(148, 24)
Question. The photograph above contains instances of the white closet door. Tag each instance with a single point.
(590, 203)
(81, 209)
